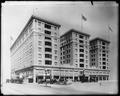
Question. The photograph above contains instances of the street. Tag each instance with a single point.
(74, 88)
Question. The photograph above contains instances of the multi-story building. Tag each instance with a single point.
(74, 53)
(99, 58)
(35, 50)
(39, 52)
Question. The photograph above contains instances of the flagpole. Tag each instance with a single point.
(81, 22)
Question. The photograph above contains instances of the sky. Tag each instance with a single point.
(68, 14)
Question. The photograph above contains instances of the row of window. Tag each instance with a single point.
(48, 26)
(98, 42)
(81, 36)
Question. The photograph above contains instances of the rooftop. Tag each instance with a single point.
(44, 20)
(98, 38)
(31, 18)
(74, 30)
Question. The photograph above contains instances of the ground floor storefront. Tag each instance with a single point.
(35, 74)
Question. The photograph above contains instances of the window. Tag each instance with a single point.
(103, 43)
(48, 50)
(55, 39)
(40, 61)
(55, 27)
(76, 35)
(86, 66)
(104, 63)
(76, 65)
(81, 60)
(55, 51)
(55, 63)
(76, 50)
(47, 26)
(39, 36)
(81, 41)
(47, 32)
(48, 38)
(81, 55)
(39, 43)
(39, 49)
(103, 54)
(80, 36)
(81, 50)
(48, 62)
(103, 47)
(104, 58)
(81, 46)
(81, 65)
(39, 55)
(39, 23)
(104, 67)
(48, 43)
(55, 57)
(55, 45)
(48, 56)
(75, 45)
(103, 51)
(55, 34)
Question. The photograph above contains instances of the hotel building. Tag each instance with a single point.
(74, 53)
(39, 52)
(35, 50)
(99, 58)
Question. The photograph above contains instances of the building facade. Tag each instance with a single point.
(99, 57)
(40, 52)
(74, 53)
(35, 50)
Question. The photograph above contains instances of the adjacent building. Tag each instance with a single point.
(99, 57)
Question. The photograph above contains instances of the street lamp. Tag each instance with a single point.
(45, 77)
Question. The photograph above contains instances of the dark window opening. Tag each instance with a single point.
(81, 65)
(47, 26)
(81, 50)
(47, 32)
(103, 43)
(81, 55)
(48, 38)
(80, 41)
(104, 67)
(80, 36)
(48, 49)
(104, 58)
(81, 46)
(48, 62)
(48, 43)
(103, 47)
(48, 56)
(103, 54)
(104, 63)
(81, 60)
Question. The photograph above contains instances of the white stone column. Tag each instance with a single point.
(34, 76)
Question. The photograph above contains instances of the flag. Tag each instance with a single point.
(84, 18)
(110, 28)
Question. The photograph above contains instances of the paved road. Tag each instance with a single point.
(23, 89)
